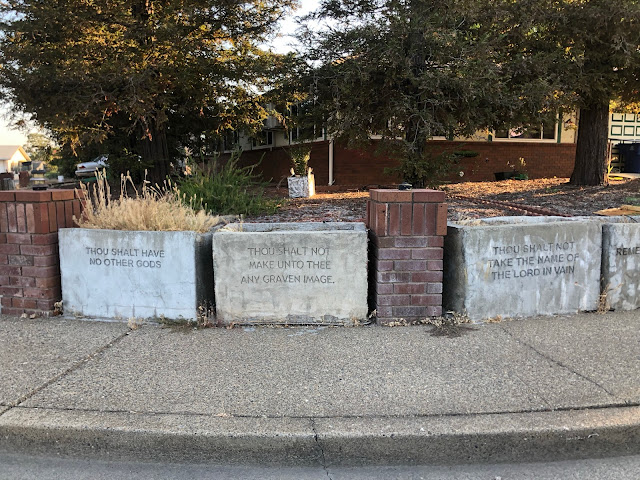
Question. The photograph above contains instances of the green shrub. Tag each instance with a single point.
(226, 189)
(51, 172)
(428, 169)
(300, 156)
(128, 164)
(65, 165)
(423, 171)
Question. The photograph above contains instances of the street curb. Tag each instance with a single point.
(460, 439)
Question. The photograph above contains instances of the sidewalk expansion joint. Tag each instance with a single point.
(557, 362)
(316, 438)
(342, 417)
(533, 391)
(72, 368)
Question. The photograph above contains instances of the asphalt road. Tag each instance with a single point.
(20, 467)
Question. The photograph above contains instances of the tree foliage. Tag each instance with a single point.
(602, 44)
(137, 72)
(589, 50)
(39, 147)
(412, 69)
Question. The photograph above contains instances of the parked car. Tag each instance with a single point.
(89, 169)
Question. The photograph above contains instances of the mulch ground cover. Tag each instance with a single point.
(467, 200)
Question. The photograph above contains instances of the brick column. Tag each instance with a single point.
(406, 232)
(29, 261)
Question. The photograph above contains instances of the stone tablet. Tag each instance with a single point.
(621, 264)
(522, 266)
(293, 273)
(123, 274)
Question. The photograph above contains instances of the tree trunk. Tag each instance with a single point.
(153, 149)
(592, 148)
(415, 136)
(151, 143)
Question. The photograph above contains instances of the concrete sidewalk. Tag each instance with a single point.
(525, 390)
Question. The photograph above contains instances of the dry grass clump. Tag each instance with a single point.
(154, 208)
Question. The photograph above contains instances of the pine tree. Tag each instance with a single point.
(406, 71)
(96, 71)
(587, 52)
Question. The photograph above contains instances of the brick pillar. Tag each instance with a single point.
(406, 232)
(29, 261)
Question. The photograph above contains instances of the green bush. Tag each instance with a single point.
(65, 165)
(300, 156)
(423, 171)
(51, 172)
(428, 169)
(129, 164)
(226, 189)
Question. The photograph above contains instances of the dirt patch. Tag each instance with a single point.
(553, 194)
(469, 200)
(346, 206)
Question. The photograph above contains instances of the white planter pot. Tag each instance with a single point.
(122, 274)
(302, 187)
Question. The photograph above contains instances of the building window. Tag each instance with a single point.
(624, 126)
(297, 134)
(302, 126)
(230, 140)
(263, 139)
(544, 131)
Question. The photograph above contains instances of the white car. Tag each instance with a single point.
(89, 169)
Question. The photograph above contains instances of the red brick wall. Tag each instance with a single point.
(406, 229)
(275, 163)
(365, 167)
(543, 160)
(362, 167)
(29, 260)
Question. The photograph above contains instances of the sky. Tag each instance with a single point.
(10, 136)
(7, 135)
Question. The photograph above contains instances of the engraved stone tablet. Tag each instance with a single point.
(621, 264)
(123, 274)
(293, 273)
(522, 266)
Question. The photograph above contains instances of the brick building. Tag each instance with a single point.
(547, 151)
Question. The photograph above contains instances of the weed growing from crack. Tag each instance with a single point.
(603, 301)
(206, 316)
(451, 324)
(179, 325)
(58, 308)
(134, 323)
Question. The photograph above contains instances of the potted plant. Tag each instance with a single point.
(302, 182)
(517, 171)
